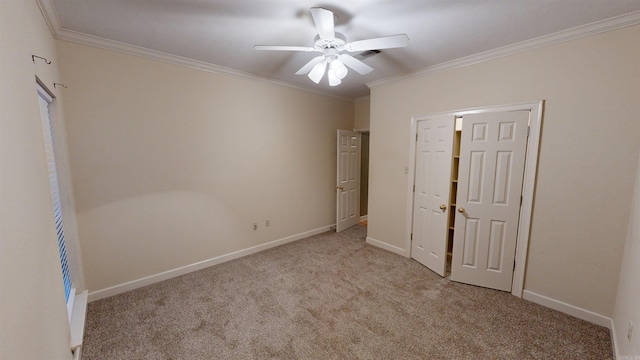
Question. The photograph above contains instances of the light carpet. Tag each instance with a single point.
(330, 296)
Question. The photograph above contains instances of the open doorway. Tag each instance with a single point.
(364, 178)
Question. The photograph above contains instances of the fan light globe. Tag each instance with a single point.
(333, 78)
(339, 69)
(317, 72)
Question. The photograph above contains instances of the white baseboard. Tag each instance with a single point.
(364, 217)
(148, 280)
(614, 343)
(569, 309)
(578, 312)
(384, 245)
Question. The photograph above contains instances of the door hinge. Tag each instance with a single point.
(411, 236)
(520, 200)
(414, 187)
(416, 137)
(528, 130)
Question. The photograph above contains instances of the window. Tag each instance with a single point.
(45, 99)
(65, 221)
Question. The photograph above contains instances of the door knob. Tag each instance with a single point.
(443, 207)
(339, 188)
(461, 210)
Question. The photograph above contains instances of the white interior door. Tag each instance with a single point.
(348, 180)
(432, 192)
(492, 158)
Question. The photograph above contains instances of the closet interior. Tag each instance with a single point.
(454, 190)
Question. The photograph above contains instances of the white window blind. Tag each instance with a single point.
(45, 99)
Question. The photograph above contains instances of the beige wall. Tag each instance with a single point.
(362, 113)
(33, 316)
(627, 307)
(172, 165)
(588, 152)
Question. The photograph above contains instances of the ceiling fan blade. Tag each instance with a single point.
(386, 42)
(355, 64)
(323, 19)
(308, 66)
(283, 48)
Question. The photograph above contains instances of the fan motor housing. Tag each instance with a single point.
(337, 43)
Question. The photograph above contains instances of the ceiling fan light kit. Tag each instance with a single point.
(331, 44)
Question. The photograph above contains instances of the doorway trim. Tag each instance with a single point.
(528, 187)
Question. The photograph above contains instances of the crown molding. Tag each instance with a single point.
(119, 47)
(595, 28)
(50, 15)
(59, 33)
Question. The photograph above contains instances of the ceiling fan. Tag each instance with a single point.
(331, 44)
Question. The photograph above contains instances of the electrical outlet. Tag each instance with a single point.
(267, 223)
(255, 226)
(630, 331)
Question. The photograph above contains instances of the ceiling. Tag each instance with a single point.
(221, 33)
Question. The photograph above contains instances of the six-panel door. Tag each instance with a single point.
(432, 187)
(348, 180)
(492, 157)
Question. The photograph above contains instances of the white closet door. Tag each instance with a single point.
(432, 189)
(492, 157)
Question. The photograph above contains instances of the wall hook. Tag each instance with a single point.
(55, 85)
(33, 58)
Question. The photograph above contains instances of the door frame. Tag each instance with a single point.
(528, 187)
